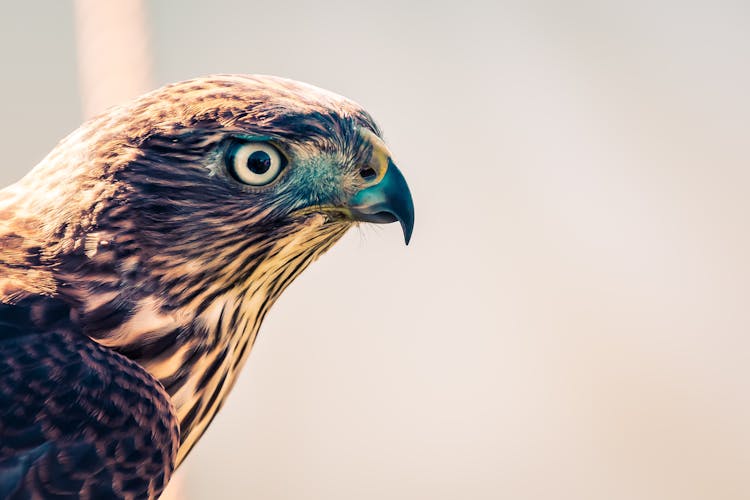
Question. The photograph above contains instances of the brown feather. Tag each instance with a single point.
(132, 222)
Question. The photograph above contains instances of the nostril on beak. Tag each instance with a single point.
(368, 173)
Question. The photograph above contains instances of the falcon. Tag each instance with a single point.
(139, 258)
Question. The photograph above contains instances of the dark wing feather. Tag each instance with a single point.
(77, 419)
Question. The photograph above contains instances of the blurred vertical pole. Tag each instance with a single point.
(114, 62)
(114, 65)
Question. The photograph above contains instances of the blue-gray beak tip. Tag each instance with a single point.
(387, 201)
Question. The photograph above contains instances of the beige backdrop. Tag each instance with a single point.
(571, 320)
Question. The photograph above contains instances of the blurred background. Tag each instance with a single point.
(571, 320)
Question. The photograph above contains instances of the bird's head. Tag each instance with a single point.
(263, 152)
(198, 186)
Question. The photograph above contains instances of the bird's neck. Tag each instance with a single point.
(197, 348)
(191, 323)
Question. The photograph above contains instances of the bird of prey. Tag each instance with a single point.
(139, 258)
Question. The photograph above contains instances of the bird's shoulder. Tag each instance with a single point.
(75, 417)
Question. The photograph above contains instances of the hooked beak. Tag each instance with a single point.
(387, 201)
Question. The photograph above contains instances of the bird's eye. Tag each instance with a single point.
(254, 163)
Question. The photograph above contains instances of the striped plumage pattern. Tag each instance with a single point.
(109, 431)
(133, 224)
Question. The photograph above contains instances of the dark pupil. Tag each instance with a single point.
(259, 162)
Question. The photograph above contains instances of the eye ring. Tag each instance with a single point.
(254, 163)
